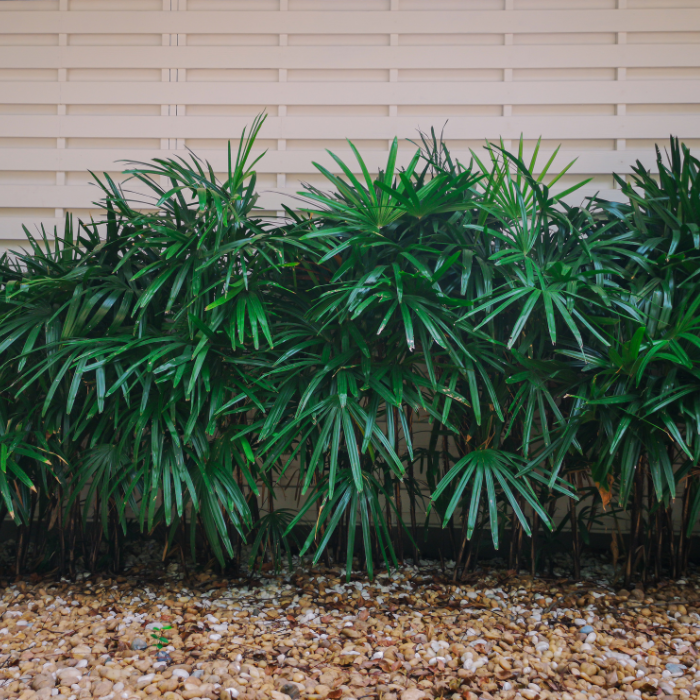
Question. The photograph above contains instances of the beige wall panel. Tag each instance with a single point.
(449, 110)
(663, 38)
(650, 4)
(339, 110)
(565, 4)
(678, 72)
(23, 6)
(233, 40)
(28, 39)
(108, 75)
(111, 109)
(15, 108)
(115, 40)
(231, 75)
(87, 83)
(208, 110)
(451, 39)
(565, 38)
(335, 5)
(235, 5)
(337, 75)
(45, 148)
(432, 5)
(338, 40)
(114, 5)
(25, 75)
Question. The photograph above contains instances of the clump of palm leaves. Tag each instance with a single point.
(167, 362)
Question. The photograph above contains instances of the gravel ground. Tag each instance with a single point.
(405, 636)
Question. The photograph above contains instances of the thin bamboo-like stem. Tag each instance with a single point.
(533, 543)
(668, 513)
(659, 539)
(683, 539)
(412, 498)
(648, 541)
(397, 499)
(575, 539)
(636, 522)
(33, 516)
(446, 469)
(474, 549)
(462, 547)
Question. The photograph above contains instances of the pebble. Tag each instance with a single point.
(291, 690)
(414, 635)
(139, 644)
(675, 669)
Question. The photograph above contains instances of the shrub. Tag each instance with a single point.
(171, 365)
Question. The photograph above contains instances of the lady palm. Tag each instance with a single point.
(173, 358)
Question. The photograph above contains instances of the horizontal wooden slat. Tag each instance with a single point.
(329, 57)
(343, 22)
(298, 161)
(551, 127)
(435, 92)
(84, 196)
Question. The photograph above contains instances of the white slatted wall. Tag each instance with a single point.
(84, 83)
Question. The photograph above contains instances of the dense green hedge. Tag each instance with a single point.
(173, 363)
